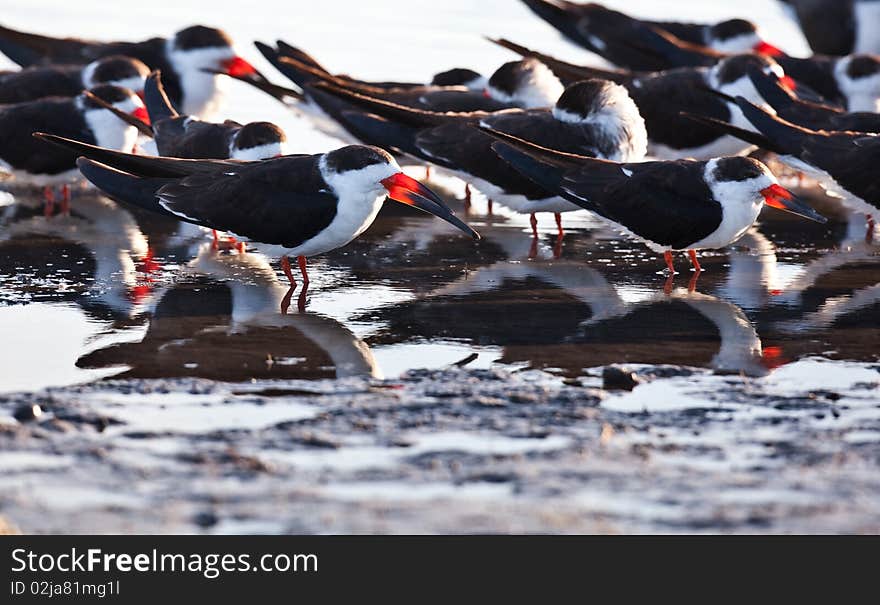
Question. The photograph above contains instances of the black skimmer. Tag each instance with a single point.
(181, 136)
(662, 96)
(300, 206)
(457, 76)
(187, 60)
(670, 206)
(814, 116)
(843, 162)
(838, 27)
(527, 84)
(600, 30)
(40, 81)
(593, 117)
(103, 116)
(852, 82)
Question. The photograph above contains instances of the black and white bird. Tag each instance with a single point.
(615, 35)
(814, 116)
(843, 162)
(182, 136)
(838, 27)
(39, 81)
(277, 56)
(86, 117)
(852, 81)
(670, 206)
(187, 60)
(662, 96)
(296, 205)
(527, 84)
(594, 117)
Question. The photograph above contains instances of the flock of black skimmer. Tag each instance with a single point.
(664, 145)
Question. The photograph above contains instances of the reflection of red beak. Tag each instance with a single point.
(236, 67)
(772, 358)
(486, 93)
(763, 48)
(141, 114)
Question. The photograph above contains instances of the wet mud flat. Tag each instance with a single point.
(453, 450)
(436, 385)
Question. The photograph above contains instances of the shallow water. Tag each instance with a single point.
(107, 292)
(759, 409)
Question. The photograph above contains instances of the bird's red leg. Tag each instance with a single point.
(49, 198)
(215, 244)
(869, 234)
(302, 268)
(693, 255)
(65, 199)
(489, 206)
(559, 230)
(427, 173)
(534, 222)
(668, 257)
(467, 197)
(285, 266)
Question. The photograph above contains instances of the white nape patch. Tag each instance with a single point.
(741, 88)
(867, 36)
(203, 93)
(360, 194)
(111, 132)
(619, 120)
(260, 152)
(88, 79)
(741, 203)
(863, 94)
(540, 89)
(743, 43)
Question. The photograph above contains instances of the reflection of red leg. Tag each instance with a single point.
(557, 247)
(49, 198)
(869, 234)
(667, 286)
(65, 199)
(301, 301)
(692, 284)
(533, 249)
(694, 261)
(285, 266)
(489, 206)
(427, 173)
(467, 197)
(285, 302)
(534, 221)
(559, 230)
(302, 268)
(242, 248)
(668, 257)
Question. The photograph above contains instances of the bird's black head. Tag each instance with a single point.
(858, 77)
(735, 169)
(736, 67)
(732, 28)
(114, 95)
(527, 83)
(862, 66)
(257, 141)
(199, 36)
(460, 76)
(118, 70)
(355, 157)
(583, 99)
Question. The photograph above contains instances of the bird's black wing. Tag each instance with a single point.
(664, 202)
(461, 145)
(197, 139)
(541, 128)
(56, 116)
(38, 82)
(568, 73)
(850, 158)
(284, 201)
(663, 96)
(816, 72)
(30, 49)
(457, 100)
